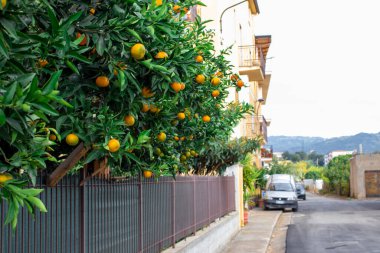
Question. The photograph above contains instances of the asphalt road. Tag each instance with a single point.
(334, 225)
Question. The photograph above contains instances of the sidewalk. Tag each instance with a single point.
(256, 235)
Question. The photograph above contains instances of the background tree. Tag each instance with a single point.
(338, 174)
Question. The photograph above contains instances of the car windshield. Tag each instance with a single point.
(299, 187)
(286, 187)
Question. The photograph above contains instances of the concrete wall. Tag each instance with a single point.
(212, 239)
(237, 171)
(360, 164)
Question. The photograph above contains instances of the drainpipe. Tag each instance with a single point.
(221, 16)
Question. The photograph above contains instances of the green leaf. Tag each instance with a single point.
(79, 57)
(143, 137)
(65, 25)
(10, 27)
(15, 124)
(100, 46)
(25, 79)
(122, 80)
(32, 192)
(135, 34)
(46, 108)
(8, 97)
(53, 18)
(93, 155)
(3, 46)
(72, 67)
(59, 122)
(2, 117)
(52, 83)
(38, 203)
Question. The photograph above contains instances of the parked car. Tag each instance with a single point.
(301, 193)
(280, 192)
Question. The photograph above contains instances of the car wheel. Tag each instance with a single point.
(265, 207)
(304, 198)
(295, 209)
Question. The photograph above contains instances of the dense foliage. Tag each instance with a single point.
(315, 158)
(337, 174)
(133, 80)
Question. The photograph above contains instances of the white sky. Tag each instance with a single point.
(326, 71)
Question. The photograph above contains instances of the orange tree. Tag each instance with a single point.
(132, 81)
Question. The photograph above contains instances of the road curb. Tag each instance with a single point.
(273, 226)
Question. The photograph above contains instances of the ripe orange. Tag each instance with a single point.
(92, 11)
(161, 137)
(182, 138)
(153, 109)
(200, 79)
(199, 58)
(102, 81)
(147, 173)
(176, 138)
(176, 86)
(183, 86)
(215, 93)
(3, 3)
(145, 108)
(4, 177)
(181, 116)
(72, 139)
(84, 40)
(185, 9)
(158, 2)
(138, 51)
(52, 137)
(147, 92)
(206, 118)
(215, 81)
(176, 8)
(234, 78)
(113, 145)
(129, 120)
(219, 74)
(240, 83)
(161, 55)
(115, 72)
(42, 63)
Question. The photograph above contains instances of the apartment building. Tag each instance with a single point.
(234, 24)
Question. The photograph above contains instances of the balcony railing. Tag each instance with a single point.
(251, 56)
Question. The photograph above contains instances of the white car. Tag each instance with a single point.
(280, 192)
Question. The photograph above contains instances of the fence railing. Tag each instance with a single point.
(250, 56)
(129, 215)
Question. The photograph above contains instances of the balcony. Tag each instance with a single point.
(252, 62)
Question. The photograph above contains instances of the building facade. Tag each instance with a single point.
(233, 23)
(365, 176)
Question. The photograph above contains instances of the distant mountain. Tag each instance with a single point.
(370, 142)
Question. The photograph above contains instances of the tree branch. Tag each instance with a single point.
(66, 165)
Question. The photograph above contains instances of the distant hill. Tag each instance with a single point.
(370, 142)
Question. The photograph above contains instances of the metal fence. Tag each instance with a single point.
(130, 215)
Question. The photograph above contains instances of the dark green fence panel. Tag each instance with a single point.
(123, 215)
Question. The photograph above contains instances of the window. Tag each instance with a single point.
(285, 187)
